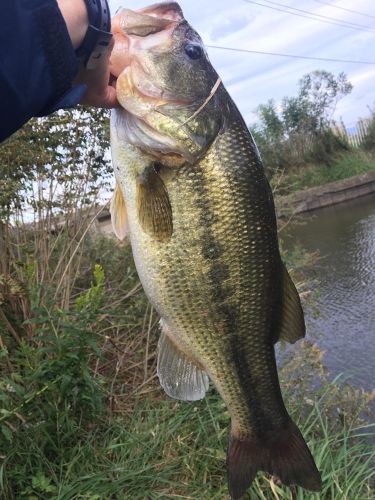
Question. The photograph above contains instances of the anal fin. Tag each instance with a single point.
(179, 376)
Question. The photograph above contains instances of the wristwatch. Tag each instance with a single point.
(98, 35)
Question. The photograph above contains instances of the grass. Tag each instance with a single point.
(347, 165)
(83, 416)
(165, 449)
(158, 448)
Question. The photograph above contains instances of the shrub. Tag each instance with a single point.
(369, 142)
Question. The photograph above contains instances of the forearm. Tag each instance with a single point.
(41, 69)
(76, 19)
(37, 62)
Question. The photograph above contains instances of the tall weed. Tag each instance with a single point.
(344, 166)
(82, 415)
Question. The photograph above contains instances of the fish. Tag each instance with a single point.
(193, 199)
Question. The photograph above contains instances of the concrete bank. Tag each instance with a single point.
(327, 195)
(299, 202)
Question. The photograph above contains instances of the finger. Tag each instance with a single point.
(106, 99)
(110, 100)
(110, 47)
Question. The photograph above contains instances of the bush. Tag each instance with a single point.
(160, 448)
(327, 147)
(369, 142)
(346, 165)
(67, 371)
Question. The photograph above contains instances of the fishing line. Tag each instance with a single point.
(344, 9)
(210, 96)
(313, 58)
(309, 15)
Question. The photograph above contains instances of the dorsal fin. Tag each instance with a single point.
(292, 320)
(179, 376)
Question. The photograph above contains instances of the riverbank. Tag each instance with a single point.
(298, 202)
(327, 195)
(346, 164)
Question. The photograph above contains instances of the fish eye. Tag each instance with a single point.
(193, 50)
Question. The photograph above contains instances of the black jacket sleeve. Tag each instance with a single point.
(37, 63)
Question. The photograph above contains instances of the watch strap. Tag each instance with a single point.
(98, 35)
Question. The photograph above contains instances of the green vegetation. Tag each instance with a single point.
(346, 165)
(82, 414)
(298, 132)
(369, 142)
(299, 141)
(172, 450)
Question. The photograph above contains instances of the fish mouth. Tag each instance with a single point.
(164, 10)
(137, 31)
(143, 99)
(129, 27)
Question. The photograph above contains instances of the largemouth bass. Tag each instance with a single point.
(193, 198)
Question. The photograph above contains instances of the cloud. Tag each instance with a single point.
(227, 26)
(363, 76)
(253, 79)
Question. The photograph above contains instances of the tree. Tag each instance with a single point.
(53, 162)
(300, 130)
(322, 90)
(51, 175)
(369, 141)
(271, 122)
(297, 116)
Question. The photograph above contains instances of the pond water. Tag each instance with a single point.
(344, 235)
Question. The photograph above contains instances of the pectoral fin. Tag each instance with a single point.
(153, 205)
(292, 319)
(179, 376)
(119, 216)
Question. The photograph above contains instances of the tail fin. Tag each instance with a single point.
(286, 456)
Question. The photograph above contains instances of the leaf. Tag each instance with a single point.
(7, 433)
(42, 484)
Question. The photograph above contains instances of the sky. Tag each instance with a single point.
(253, 79)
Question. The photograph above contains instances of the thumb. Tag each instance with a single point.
(110, 98)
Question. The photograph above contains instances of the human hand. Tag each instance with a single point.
(101, 90)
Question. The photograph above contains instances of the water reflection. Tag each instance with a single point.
(345, 238)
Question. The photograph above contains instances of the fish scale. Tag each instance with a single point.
(201, 221)
(179, 270)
